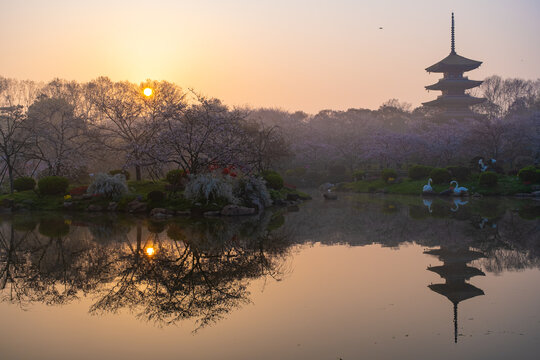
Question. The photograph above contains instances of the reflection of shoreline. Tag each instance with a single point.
(392, 221)
(456, 272)
(209, 263)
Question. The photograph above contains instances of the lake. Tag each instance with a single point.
(361, 277)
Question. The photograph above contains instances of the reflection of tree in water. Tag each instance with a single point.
(164, 274)
(49, 265)
(509, 242)
(190, 275)
(374, 219)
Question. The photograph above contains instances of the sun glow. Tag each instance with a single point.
(150, 251)
(147, 92)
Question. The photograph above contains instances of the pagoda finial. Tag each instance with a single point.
(453, 47)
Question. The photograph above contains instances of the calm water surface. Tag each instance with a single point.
(363, 277)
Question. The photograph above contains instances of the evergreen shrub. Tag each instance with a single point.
(24, 183)
(388, 174)
(529, 174)
(440, 176)
(273, 179)
(419, 172)
(53, 185)
(488, 178)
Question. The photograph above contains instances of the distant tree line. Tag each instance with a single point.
(71, 129)
(506, 128)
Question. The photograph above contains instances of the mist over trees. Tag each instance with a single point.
(71, 129)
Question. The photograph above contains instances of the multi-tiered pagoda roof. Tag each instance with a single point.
(454, 102)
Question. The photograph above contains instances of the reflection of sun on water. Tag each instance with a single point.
(150, 251)
(147, 91)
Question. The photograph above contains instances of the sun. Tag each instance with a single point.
(150, 251)
(147, 91)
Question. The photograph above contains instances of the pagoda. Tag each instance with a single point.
(456, 272)
(454, 102)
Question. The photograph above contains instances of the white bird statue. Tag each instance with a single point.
(428, 203)
(482, 166)
(458, 190)
(428, 188)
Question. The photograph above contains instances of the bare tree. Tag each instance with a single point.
(204, 133)
(60, 140)
(501, 94)
(128, 120)
(266, 146)
(14, 138)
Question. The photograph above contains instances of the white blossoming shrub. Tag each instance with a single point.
(253, 191)
(111, 186)
(210, 187)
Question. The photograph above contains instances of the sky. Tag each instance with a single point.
(295, 55)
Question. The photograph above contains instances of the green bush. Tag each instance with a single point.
(176, 177)
(419, 172)
(440, 176)
(24, 183)
(123, 172)
(460, 173)
(387, 174)
(155, 196)
(529, 174)
(273, 179)
(488, 178)
(358, 175)
(53, 185)
(274, 194)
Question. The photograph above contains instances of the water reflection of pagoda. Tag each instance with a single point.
(454, 101)
(456, 272)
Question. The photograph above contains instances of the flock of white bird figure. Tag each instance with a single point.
(458, 190)
(483, 167)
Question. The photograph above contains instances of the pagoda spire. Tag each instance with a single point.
(453, 42)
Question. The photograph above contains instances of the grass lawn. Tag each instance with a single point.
(507, 185)
(33, 200)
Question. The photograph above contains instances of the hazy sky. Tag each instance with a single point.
(296, 55)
